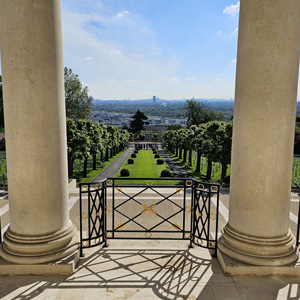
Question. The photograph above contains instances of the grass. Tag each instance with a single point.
(93, 173)
(216, 175)
(144, 166)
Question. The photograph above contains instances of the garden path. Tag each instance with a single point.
(177, 170)
(113, 168)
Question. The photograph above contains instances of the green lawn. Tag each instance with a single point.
(144, 166)
(215, 175)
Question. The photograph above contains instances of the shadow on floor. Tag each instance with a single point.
(118, 273)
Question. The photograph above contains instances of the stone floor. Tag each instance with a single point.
(147, 270)
(144, 270)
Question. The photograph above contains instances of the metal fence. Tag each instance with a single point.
(149, 208)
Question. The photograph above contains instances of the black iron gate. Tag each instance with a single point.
(152, 208)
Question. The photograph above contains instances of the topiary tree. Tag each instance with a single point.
(124, 173)
(165, 173)
(160, 161)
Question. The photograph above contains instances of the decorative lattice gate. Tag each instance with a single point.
(153, 208)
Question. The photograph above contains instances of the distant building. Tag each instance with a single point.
(154, 99)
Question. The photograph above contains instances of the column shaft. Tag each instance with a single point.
(35, 124)
(263, 133)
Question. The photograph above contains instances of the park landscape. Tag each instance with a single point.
(149, 198)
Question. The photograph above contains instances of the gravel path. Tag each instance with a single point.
(113, 168)
(174, 166)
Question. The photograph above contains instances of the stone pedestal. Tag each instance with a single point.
(257, 232)
(34, 106)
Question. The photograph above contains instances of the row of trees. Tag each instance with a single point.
(88, 139)
(211, 139)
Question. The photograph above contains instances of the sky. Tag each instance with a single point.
(135, 49)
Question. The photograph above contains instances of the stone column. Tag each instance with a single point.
(263, 134)
(35, 127)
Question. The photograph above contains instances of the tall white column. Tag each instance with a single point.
(35, 128)
(263, 134)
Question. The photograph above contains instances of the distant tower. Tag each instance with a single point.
(154, 99)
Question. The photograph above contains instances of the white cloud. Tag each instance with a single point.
(115, 52)
(174, 79)
(192, 78)
(217, 79)
(132, 80)
(234, 61)
(219, 32)
(235, 31)
(88, 58)
(232, 9)
(122, 14)
(111, 80)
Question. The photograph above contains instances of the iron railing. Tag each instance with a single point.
(149, 208)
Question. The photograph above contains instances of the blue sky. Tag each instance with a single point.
(135, 49)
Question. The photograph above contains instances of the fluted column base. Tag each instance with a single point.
(28, 250)
(255, 251)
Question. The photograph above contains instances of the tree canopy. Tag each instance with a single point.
(78, 102)
(138, 122)
(196, 114)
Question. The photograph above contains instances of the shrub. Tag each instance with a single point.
(133, 155)
(160, 161)
(154, 151)
(136, 151)
(156, 156)
(226, 180)
(165, 173)
(124, 173)
(130, 161)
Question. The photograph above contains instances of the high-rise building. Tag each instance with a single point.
(154, 99)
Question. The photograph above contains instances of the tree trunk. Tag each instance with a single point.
(176, 151)
(190, 157)
(85, 163)
(94, 161)
(184, 155)
(208, 171)
(198, 161)
(106, 154)
(70, 167)
(224, 169)
(180, 153)
(101, 156)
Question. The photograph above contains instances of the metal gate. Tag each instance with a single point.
(152, 208)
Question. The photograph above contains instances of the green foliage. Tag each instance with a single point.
(297, 136)
(1, 106)
(78, 102)
(174, 127)
(155, 137)
(196, 113)
(130, 161)
(133, 155)
(226, 180)
(160, 161)
(156, 156)
(138, 122)
(125, 173)
(165, 173)
(86, 138)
